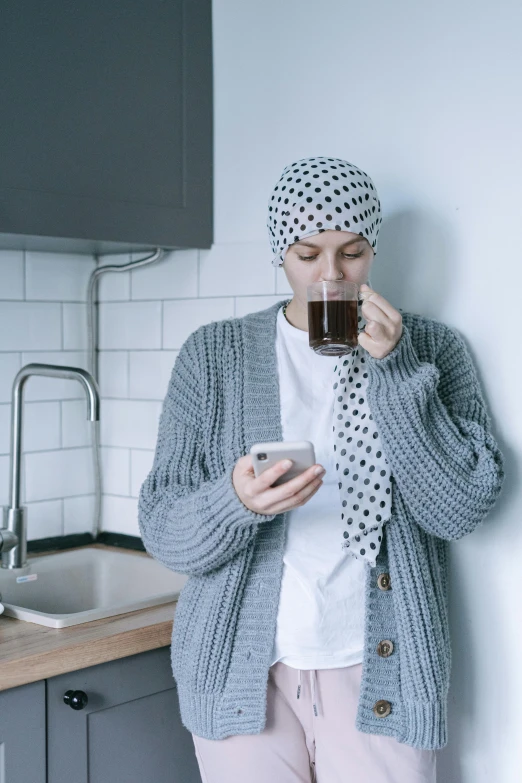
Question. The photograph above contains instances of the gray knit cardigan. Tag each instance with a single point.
(222, 397)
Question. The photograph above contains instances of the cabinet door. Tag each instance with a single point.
(22, 734)
(106, 131)
(129, 731)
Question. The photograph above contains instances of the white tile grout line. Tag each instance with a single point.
(81, 399)
(150, 300)
(51, 301)
(60, 449)
(123, 497)
(68, 497)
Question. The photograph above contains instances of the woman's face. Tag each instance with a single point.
(323, 257)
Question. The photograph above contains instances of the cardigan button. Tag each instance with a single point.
(385, 648)
(383, 581)
(382, 708)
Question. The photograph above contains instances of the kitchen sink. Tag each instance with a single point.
(79, 585)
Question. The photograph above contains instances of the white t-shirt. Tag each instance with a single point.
(320, 620)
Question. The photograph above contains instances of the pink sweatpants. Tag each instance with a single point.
(298, 746)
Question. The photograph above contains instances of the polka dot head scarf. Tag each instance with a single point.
(320, 194)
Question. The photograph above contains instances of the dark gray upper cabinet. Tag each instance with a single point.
(106, 134)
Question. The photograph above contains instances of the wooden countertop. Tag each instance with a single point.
(31, 652)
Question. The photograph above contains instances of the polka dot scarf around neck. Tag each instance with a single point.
(364, 476)
(311, 196)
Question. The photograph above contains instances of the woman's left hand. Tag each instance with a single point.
(383, 328)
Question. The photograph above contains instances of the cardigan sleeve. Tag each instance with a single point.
(436, 431)
(189, 522)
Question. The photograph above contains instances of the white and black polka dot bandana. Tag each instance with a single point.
(320, 194)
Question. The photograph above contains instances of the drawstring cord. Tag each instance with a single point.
(312, 680)
(313, 687)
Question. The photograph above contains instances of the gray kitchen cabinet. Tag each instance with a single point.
(22, 734)
(129, 731)
(106, 136)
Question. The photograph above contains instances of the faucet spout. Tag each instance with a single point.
(13, 534)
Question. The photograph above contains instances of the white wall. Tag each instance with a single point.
(426, 99)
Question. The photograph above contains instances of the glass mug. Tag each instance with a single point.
(333, 317)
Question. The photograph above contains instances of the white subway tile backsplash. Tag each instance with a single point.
(130, 325)
(144, 318)
(236, 270)
(11, 274)
(141, 464)
(5, 428)
(4, 480)
(58, 277)
(114, 286)
(10, 363)
(173, 277)
(74, 327)
(252, 304)
(39, 387)
(130, 423)
(78, 515)
(58, 474)
(182, 317)
(44, 519)
(41, 425)
(150, 373)
(30, 326)
(120, 515)
(113, 368)
(76, 427)
(116, 470)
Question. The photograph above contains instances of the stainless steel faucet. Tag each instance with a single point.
(13, 533)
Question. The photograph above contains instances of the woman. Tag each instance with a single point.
(342, 575)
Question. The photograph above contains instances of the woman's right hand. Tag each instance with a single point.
(258, 495)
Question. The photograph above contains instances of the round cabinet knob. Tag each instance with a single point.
(75, 699)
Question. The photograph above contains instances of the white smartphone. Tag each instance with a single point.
(265, 455)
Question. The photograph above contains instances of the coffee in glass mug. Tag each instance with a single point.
(332, 317)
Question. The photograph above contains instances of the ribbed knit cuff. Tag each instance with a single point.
(426, 723)
(401, 363)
